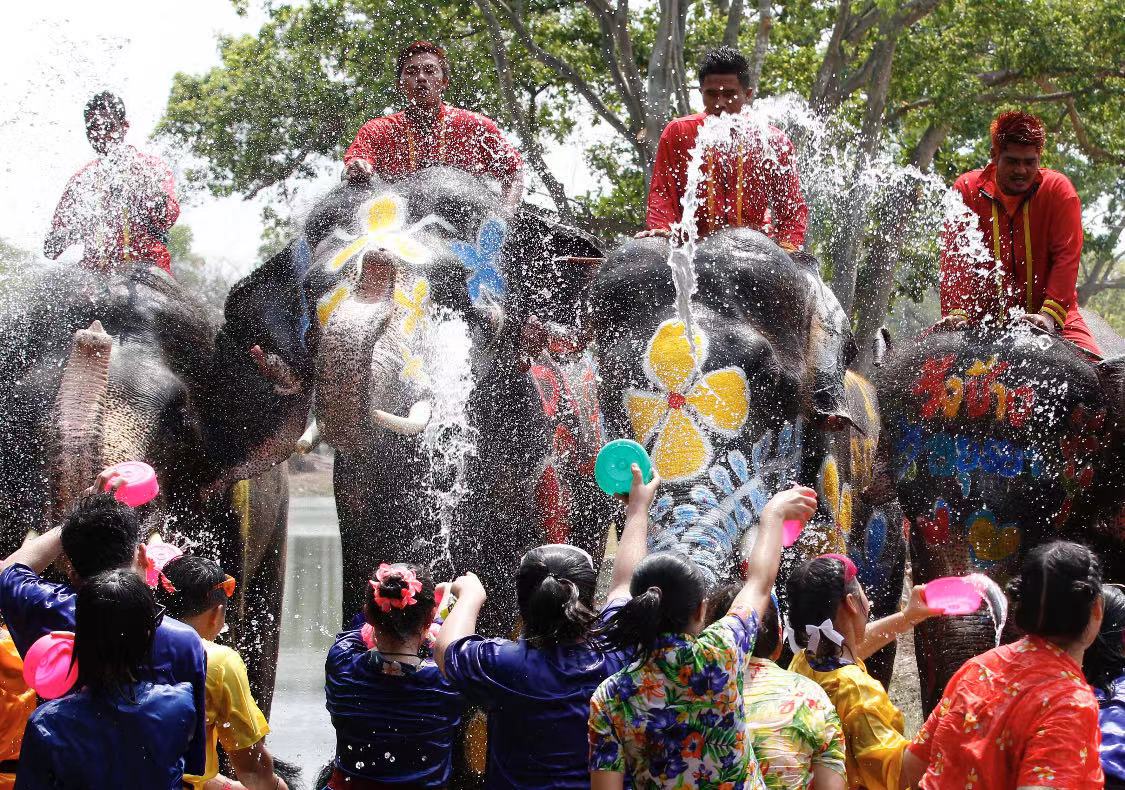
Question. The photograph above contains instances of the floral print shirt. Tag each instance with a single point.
(677, 720)
(792, 724)
(1019, 715)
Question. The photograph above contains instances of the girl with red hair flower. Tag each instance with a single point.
(395, 715)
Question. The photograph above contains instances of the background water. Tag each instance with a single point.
(301, 731)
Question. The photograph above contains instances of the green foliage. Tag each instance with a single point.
(192, 270)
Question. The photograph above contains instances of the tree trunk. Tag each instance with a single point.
(734, 24)
(761, 42)
(895, 218)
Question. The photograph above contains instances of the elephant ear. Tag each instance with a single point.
(1111, 375)
(268, 308)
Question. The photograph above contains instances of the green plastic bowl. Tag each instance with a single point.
(613, 468)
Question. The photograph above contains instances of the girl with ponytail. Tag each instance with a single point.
(537, 689)
(674, 717)
(1022, 715)
(395, 715)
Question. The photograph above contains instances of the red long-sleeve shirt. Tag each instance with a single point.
(1037, 241)
(119, 207)
(396, 147)
(736, 191)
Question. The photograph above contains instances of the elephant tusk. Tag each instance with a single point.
(309, 439)
(411, 425)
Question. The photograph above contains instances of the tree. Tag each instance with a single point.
(192, 270)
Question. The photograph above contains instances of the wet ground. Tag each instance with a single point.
(302, 732)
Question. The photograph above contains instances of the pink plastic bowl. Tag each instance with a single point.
(790, 531)
(48, 667)
(159, 555)
(952, 595)
(140, 484)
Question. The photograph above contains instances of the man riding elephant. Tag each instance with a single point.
(753, 183)
(1031, 219)
(429, 132)
(119, 206)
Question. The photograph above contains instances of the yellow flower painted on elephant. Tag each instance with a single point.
(676, 421)
(413, 303)
(385, 230)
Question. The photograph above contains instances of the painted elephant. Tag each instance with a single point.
(97, 369)
(430, 329)
(997, 439)
(756, 394)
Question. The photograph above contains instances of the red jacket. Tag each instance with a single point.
(1041, 279)
(119, 207)
(395, 147)
(736, 191)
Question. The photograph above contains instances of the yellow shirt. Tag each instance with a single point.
(233, 717)
(17, 703)
(873, 726)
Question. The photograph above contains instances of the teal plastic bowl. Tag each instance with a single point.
(613, 467)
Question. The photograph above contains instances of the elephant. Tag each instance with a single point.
(97, 369)
(996, 439)
(440, 341)
(755, 395)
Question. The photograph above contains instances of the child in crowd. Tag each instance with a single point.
(195, 591)
(98, 535)
(117, 730)
(395, 715)
(793, 726)
(1022, 715)
(1104, 666)
(537, 689)
(829, 617)
(17, 702)
(674, 717)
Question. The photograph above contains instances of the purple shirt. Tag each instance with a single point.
(32, 608)
(538, 703)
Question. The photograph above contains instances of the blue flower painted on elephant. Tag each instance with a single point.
(482, 260)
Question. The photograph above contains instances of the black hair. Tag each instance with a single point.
(115, 623)
(1055, 592)
(555, 590)
(105, 104)
(410, 620)
(667, 588)
(769, 632)
(194, 581)
(814, 591)
(725, 60)
(1104, 661)
(100, 534)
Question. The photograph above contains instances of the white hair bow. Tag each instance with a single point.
(825, 628)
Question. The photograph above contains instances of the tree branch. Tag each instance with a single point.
(734, 25)
(1088, 146)
(761, 42)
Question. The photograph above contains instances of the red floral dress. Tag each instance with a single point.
(1017, 716)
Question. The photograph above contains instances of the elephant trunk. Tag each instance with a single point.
(364, 353)
(79, 416)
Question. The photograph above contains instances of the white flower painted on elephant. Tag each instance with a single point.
(676, 421)
(385, 230)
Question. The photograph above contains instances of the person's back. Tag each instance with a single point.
(17, 702)
(86, 740)
(1104, 667)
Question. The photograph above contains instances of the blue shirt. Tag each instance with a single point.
(395, 723)
(32, 607)
(82, 741)
(1111, 718)
(538, 703)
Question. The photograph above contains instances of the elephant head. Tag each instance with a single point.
(742, 401)
(997, 440)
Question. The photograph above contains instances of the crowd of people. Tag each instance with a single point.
(667, 685)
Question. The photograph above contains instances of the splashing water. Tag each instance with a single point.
(994, 600)
(449, 440)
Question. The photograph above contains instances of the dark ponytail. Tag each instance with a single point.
(1055, 592)
(813, 592)
(667, 590)
(115, 622)
(1104, 661)
(555, 588)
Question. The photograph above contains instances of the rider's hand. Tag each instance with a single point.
(1040, 322)
(916, 609)
(467, 586)
(950, 323)
(660, 233)
(359, 171)
(641, 494)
